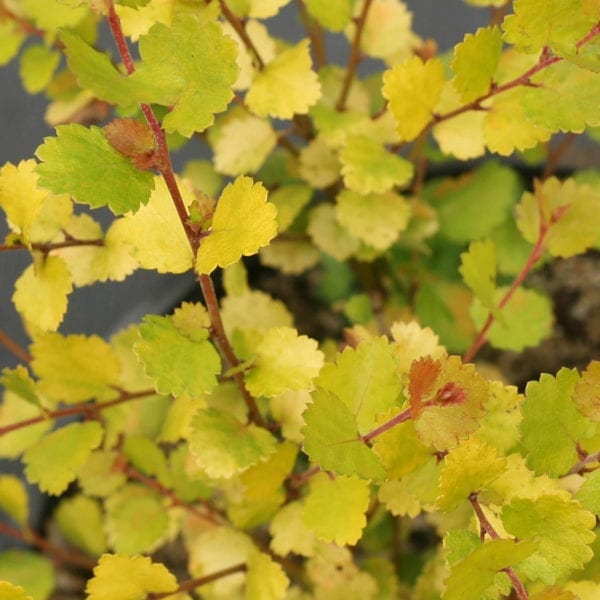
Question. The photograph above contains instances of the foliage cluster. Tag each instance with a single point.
(381, 464)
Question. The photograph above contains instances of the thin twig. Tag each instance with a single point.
(56, 552)
(315, 33)
(401, 417)
(188, 586)
(354, 57)
(13, 347)
(78, 409)
(240, 29)
(487, 528)
(49, 246)
(555, 154)
(535, 255)
(165, 168)
(212, 515)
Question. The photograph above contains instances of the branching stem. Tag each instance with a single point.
(166, 170)
(48, 247)
(354, 57)
(396, 420)
(211, 515)
(78, 409)
(240, 29)
(56, 552)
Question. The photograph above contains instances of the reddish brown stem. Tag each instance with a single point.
(211, 515)
(222, 341)
(78, 409)
(13, 347)
(188, 586)
(315, 33)
(166, 170)
(487, 528)
(48, 247)
(240, 29)
(546, 59)
(354, 57)
(396, 420)
(56, 552)
(555, 154)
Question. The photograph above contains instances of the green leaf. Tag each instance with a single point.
(467, 469)
(561, 529)
(38, 64)
(527, 319)
(376, 219)
(30, 570)
(335, 508)
(243, 222)
(563, 98)
(587, 392)
(329, 235)
(80, 520)
(413, 89)
(568, 209)
(552, 426)
(98, 476)
(12, 410)
(243, 145)
(284, 361)
(291, 257)
(470, 207)
(332, 439)
(368, 167)
(178, 364)
(193, 64)
(146, 456)
(589, 492)
(559, 25)
(11, 38)
(365, 380)
(319, 165)
(50, 280)
(265, 580)
(334, 15)
(222, 446)
(128, 578)
(79, 161)
(137, 520)
(478, 269)
(75, 368)
(51, 15)
(52, 462)
(475, 61)
(473, 576)
(286, 86)
(13, 499)
(95, 72)
(289, 200)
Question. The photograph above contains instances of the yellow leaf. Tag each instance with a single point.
(287, 86)
(243, 222)
(19, 196)
(413, 89)
(154, 234)
(41, 293)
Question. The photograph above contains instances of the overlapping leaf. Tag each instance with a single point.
(79, 161)
(243, 222)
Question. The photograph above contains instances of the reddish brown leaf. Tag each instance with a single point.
(423, 375)
(132, 139)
